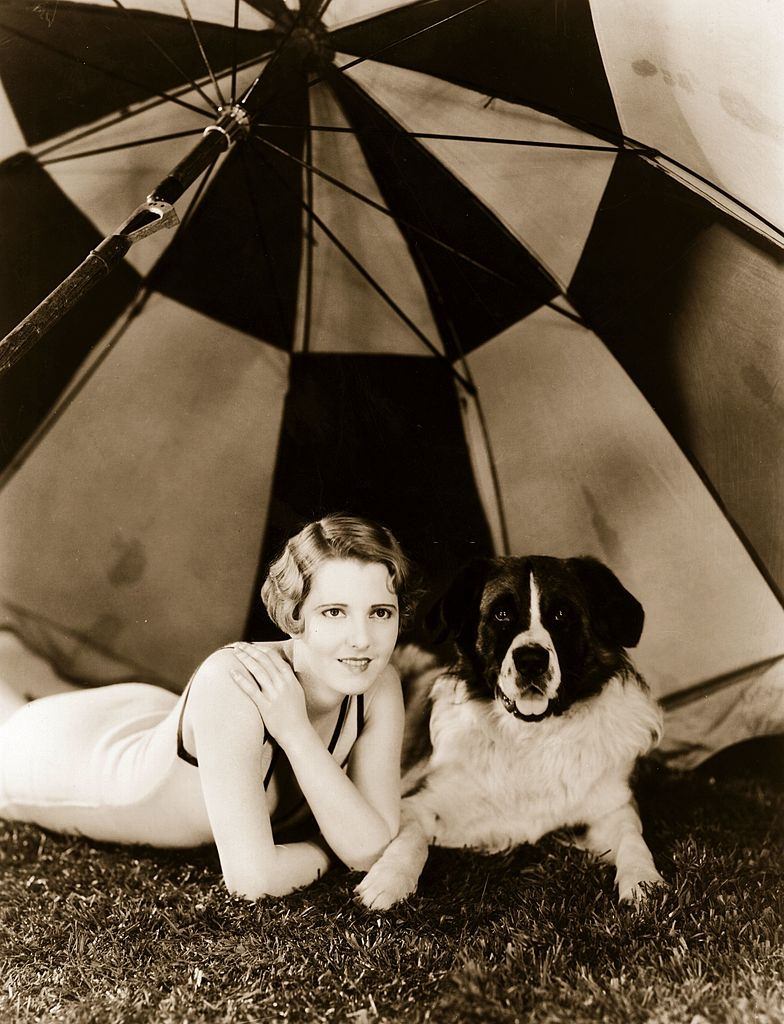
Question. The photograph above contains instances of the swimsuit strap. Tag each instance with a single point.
(182, 753)
(291, 814)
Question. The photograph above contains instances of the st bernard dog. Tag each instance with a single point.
(535, 727)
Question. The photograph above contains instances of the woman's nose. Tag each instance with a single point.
(360, 637)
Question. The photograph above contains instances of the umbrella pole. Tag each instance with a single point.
(153, 215)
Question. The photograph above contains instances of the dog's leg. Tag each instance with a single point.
(617, 838)
(396, 873)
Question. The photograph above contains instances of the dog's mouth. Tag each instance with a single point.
(529, 708)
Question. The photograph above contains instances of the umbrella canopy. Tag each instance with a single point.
(504, 274)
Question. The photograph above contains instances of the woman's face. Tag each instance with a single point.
(350, 625)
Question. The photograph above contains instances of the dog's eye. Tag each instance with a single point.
(559, 613)
(502, 614)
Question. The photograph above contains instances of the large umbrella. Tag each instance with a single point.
(505, 274)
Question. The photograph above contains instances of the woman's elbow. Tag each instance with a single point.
(249, 889)
(364, 859)
(257, 887)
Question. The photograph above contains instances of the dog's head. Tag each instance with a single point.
(538, 633)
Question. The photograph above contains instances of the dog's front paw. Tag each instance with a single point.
(636, 888)
(386, 884)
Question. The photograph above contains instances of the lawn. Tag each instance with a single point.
(106, 934)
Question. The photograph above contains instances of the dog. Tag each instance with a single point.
(535, 727)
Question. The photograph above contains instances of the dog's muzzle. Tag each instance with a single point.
(533, 669)
(511, 707)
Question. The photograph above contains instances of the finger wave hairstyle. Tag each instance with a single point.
(336, 536)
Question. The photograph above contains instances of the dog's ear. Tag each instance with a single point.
(456, 613)
(616, 614)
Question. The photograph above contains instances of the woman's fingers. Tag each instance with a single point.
(268, 666)
(249, 655)
(260, 668)
(248, 686)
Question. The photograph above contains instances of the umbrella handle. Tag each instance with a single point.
(96, 266)
(146, 219)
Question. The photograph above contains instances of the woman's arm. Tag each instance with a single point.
(228, 739)
(358, 814)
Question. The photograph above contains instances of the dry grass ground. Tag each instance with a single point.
(105, 934)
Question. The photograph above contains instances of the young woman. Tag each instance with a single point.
(262, 732)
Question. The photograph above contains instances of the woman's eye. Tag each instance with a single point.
(502, 615)
(383, 613)
(333, 613)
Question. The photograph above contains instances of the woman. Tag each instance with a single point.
(261, 730)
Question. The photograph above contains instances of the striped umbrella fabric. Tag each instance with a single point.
(503, 274)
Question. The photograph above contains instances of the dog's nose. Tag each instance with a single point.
(531, 661)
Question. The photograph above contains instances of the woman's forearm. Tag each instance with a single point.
(292, 866)
(354, 830)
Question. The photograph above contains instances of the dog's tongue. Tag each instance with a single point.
(532, 705)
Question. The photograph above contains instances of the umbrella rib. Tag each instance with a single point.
(488, 139)
(234, 40)
(494, 475)
(379, 289)
(306, 320)
(272, 8)
(203, 52)
(474, 393)
(143, 108)
(104, 71)
(657, 153)
(405, 39)
(118, 146)
(574, 317)
(146, 35)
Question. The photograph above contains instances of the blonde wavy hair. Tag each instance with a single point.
(335, 536)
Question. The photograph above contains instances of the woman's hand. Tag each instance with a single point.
(269, 680)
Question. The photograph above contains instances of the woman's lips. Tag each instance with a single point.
(355, 664)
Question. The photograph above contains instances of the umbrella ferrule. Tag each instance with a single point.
(233, 123)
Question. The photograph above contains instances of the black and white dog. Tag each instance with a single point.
(536, 727)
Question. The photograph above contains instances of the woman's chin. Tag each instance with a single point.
(352, 678)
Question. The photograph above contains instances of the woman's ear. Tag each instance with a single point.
(617, 615)
(455, 615)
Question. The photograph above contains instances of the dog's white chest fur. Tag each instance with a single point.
(493, 782)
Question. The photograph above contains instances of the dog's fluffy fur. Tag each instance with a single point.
(537, 725)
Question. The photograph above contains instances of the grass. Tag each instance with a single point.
(110, 934)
